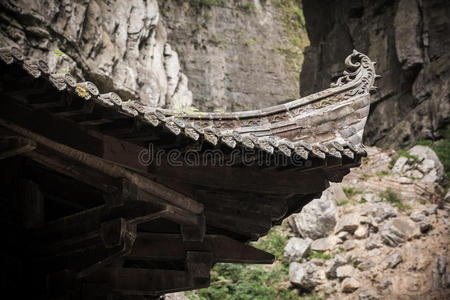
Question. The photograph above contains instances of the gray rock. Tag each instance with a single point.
(306, 275)
(372, 243)
(362, 232)
(406, 23)
(350, 285)
(297, 248)
(349, 245)
(370, 197)
(175, 296)
(399, 165)
(380, 211)
(417, 217)
(332, 265)
(393, 260)
(349, 223)
(343, 235)
(318, 218)
(437, 174)
(324, 244)
(447, 196)
(414, 174)
(431, 210)
(368, 295)
(365, 265)
(398, 230)
(344, 271)
(426, 166)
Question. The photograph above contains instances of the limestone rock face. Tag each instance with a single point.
(306, 275)
(236, 54)
(297, 248)
(399, 230)
(318, 218)
(121, 46)
(409, 40)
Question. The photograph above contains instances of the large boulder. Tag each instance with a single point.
(297, 248)
(306, 275)
(349, 223)
(318, 218)
(429, 163)
(399, 230)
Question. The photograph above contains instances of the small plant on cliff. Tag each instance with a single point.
(350, 192)
(393, 198)
(403, 153)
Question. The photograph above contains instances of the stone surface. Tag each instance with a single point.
(349, 245)
(344, 271)
(326, 243)
(412, 56)
(430, 163)
(306, 275)
(297, 248)
(332, 265)
(121, 46)
(398, 230)
(349, 223)
(318, 218)
(393, 260)
(237, 55)
(362, 232)
(368, 295)
(399, 165)
(350, 285)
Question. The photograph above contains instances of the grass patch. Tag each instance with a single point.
(393, 198)
(362, 201)
(261, 282)
(349, 191)
(248, 7)
(319, 254)
(343, 202)
(382, 173)
(365, 176)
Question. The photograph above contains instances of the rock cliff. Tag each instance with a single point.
(238, 55)
(410, 40)
(119, 45)
(232, 55)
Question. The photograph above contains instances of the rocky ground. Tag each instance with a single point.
(383, 233)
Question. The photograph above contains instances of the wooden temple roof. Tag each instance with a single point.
(104, 211)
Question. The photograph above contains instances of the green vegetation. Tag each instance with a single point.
(365, 176)
(207, 3)
(442, 149)
(382, 173)
(349, 191)
(247, 6)
(343, 202)
(239, 281)
(319, 254)
(295, 31)
(393, 198)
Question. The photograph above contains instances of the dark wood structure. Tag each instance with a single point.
(109, 199)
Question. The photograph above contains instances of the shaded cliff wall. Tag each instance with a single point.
(409, 40)
(119, 45)
(238, 55)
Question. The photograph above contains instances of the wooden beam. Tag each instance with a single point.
(165, 247)
(111, 169)
(15, 145)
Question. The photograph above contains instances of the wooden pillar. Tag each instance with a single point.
(32, 201)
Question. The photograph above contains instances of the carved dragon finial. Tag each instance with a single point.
(359, 69)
